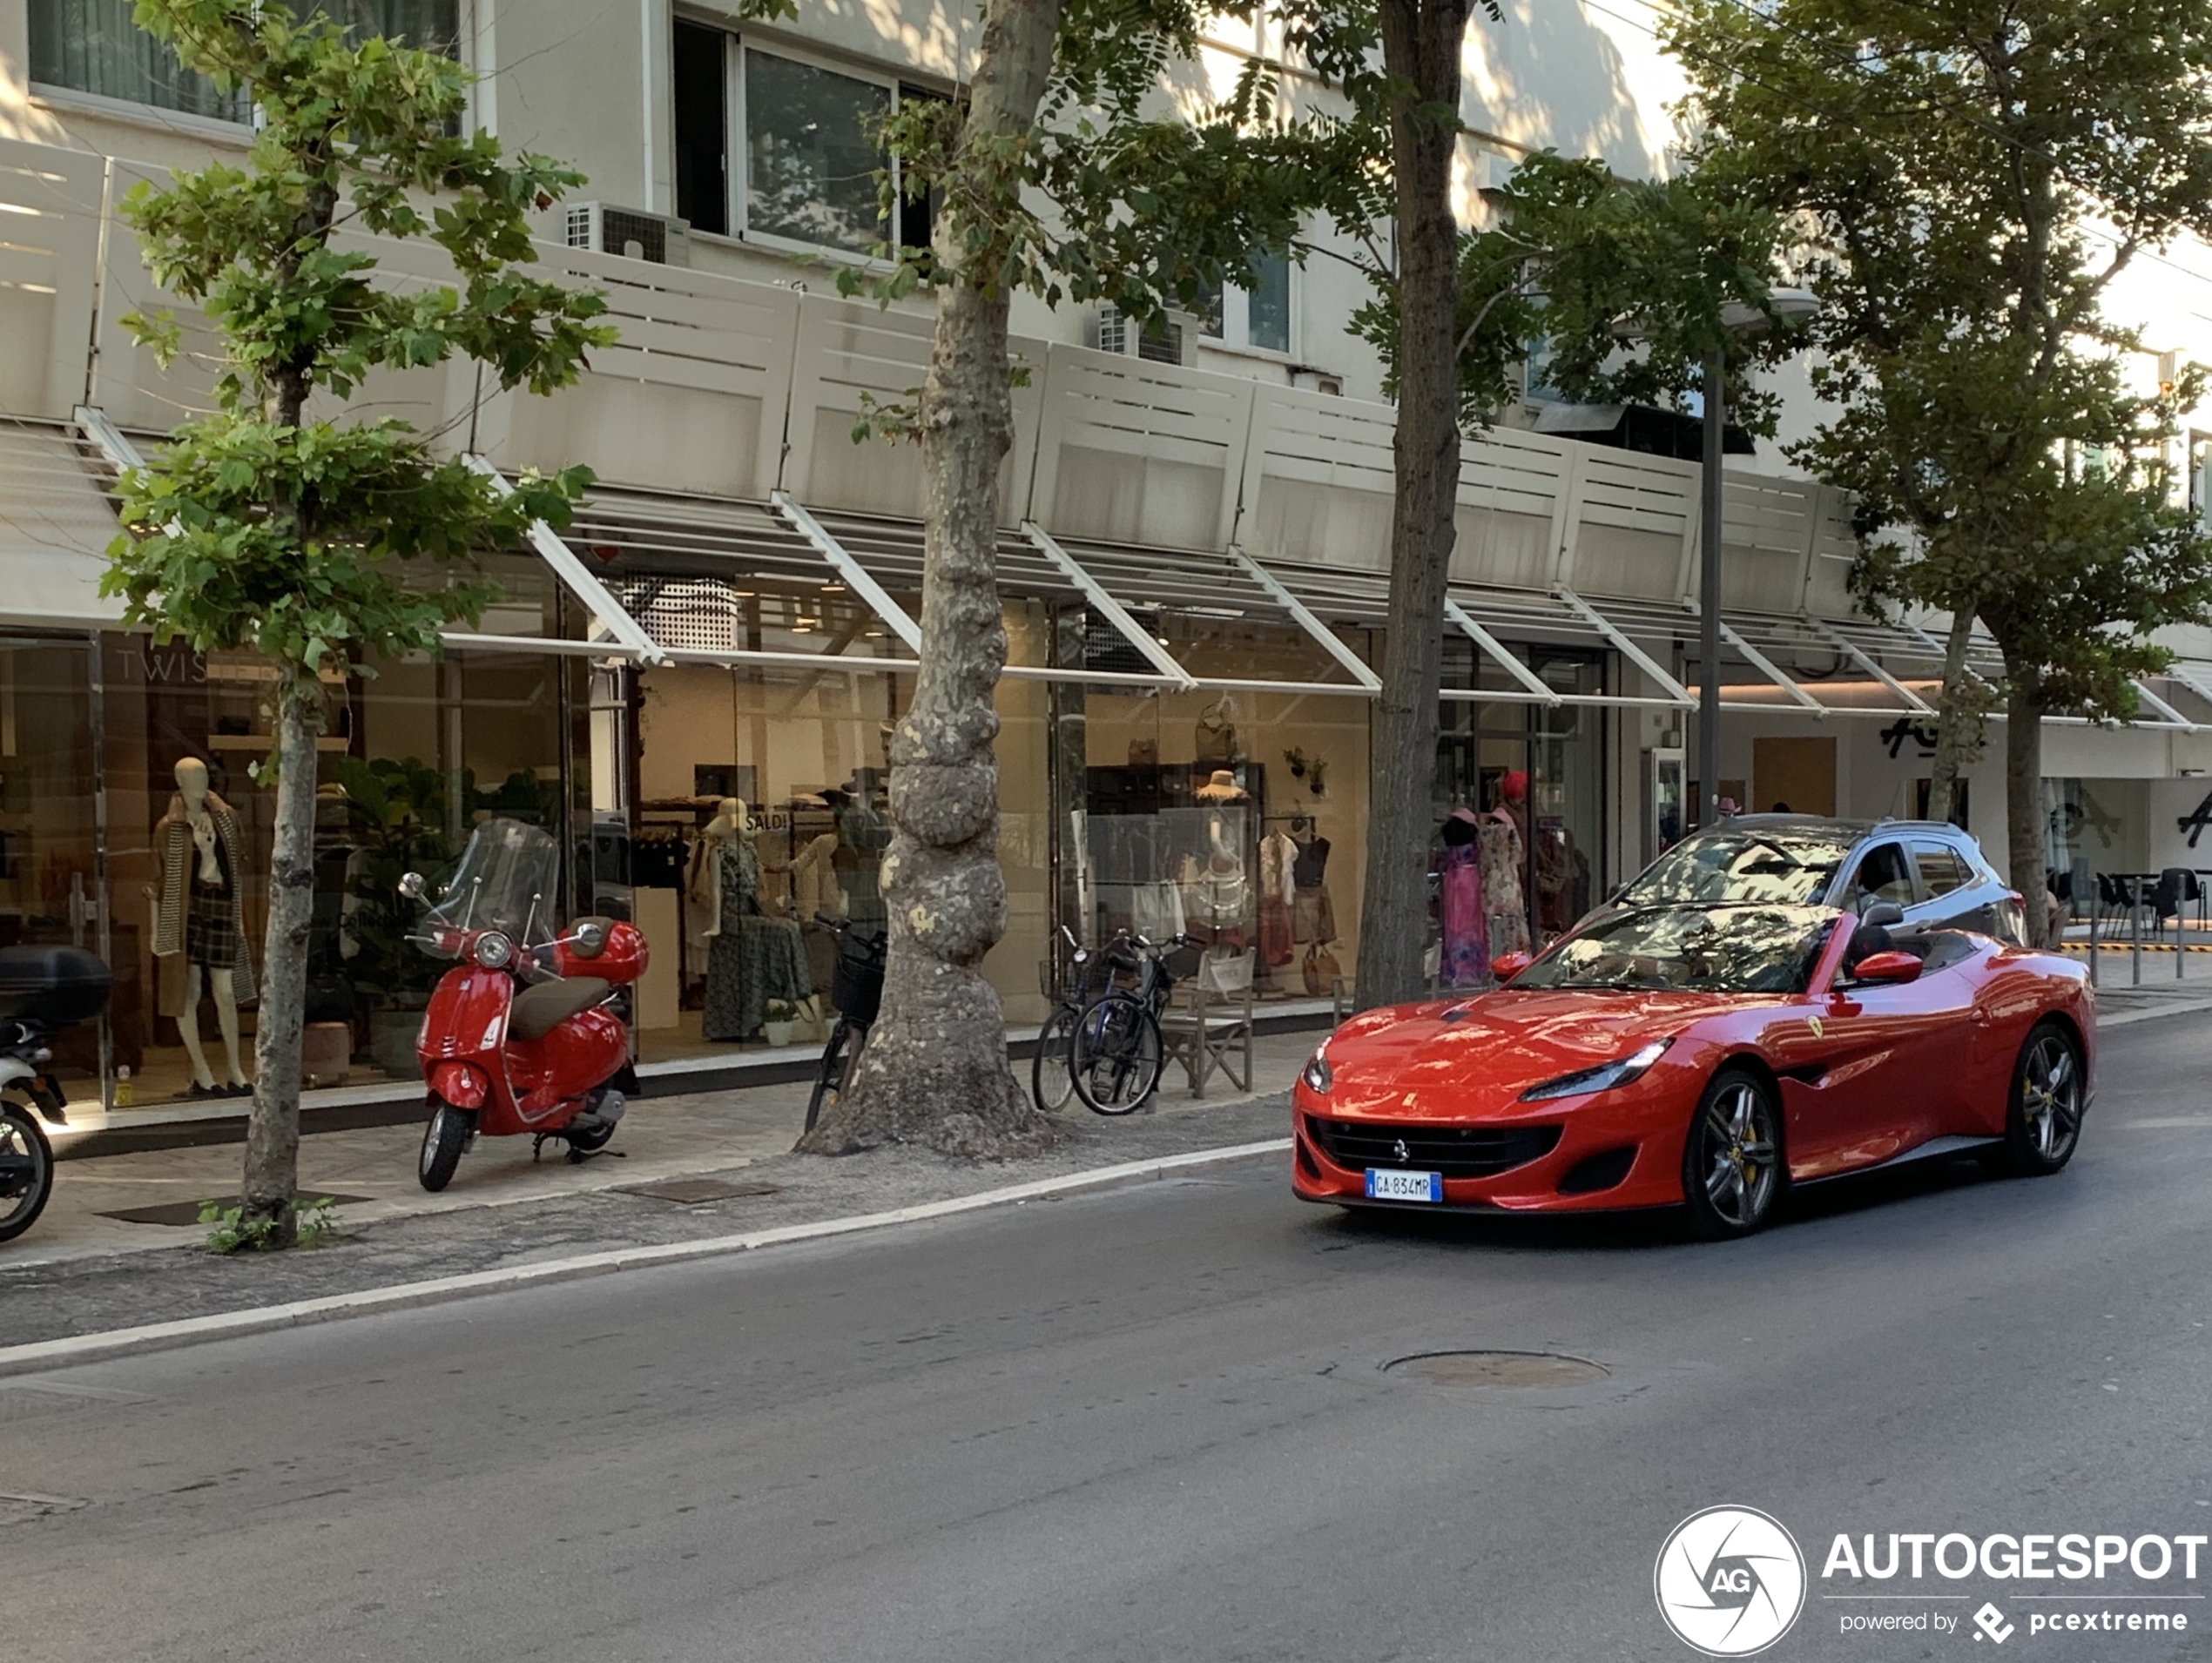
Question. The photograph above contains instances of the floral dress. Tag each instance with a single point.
(1466, 931)
(1501, 888)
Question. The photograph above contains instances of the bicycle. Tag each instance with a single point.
(858, 991)
(1117, 1052)
(1055, 1038)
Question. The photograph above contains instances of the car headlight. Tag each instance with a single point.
(1604, 1077)
(1317, 1076)
(493, 950)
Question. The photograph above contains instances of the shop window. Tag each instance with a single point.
(1235, 817)
(93, 46)
(1259, 316)
(410, 760)
(1537, 768)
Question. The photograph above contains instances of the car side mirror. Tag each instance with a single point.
(1618, 891)
(1882, 912)
(1507, 965)
(411, 885)
(1893, 968)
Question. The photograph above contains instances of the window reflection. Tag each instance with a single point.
(1706, 949)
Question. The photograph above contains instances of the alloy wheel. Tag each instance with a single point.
(1741, 1162)
(2051, 1097)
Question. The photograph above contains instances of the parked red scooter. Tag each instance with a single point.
(519, 1037)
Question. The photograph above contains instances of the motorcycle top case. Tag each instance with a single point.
(51, 987)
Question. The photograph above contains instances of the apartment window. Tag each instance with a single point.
(1259, 316)
(809, 158)
(92, 46)
(780, 149)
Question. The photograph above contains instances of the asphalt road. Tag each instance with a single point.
(1152, 1424)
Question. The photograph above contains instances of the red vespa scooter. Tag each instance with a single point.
(519, 1037)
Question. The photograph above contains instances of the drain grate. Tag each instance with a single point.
(691, 1192)
(179, 1214)
(1509, 1371)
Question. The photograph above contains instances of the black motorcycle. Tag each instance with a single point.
(42, 990)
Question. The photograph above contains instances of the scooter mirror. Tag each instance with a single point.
(411, 885)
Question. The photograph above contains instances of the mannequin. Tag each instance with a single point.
(1465, 928)
(751, 958)
(1504, 852)
(199, 911)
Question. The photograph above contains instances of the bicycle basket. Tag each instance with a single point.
(857, 990)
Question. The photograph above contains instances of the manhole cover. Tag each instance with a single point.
(1537, 1370)
(690, 1192)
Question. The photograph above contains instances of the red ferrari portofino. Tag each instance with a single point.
(1705, 1056)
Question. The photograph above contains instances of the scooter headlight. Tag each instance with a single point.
(494, 951)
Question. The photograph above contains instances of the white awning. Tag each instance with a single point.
(56, 523)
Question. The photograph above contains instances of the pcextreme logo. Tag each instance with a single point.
(1729, 1581)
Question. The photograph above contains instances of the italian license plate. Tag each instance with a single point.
(1386, 1185)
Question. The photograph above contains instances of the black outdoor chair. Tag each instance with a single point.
(2175, 889)
(2114, 900)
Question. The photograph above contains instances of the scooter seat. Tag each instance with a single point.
(537, 1011)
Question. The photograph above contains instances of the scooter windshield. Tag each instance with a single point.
(507, 881)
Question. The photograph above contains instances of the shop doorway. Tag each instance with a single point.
(52, 863)
(1793, 773)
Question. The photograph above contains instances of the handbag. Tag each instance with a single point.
(1321, 969)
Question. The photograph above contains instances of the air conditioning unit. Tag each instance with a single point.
(1170, 338)
(631, 233)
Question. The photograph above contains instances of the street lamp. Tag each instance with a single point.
(1735, 319)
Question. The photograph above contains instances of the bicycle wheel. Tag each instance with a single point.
(829, 1081)
(1052, 1075)
(1115, 1059)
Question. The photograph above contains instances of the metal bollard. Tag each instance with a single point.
(2095, 911)
(2135, 930)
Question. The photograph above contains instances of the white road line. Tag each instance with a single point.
(155, 1336)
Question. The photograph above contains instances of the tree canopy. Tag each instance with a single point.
(277, 525)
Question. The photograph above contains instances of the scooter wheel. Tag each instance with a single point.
(588, 1142)
(443, 1140)
(26, 1171)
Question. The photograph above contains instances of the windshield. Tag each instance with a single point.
(1730, 863)
(1699, 949)
(507, 881)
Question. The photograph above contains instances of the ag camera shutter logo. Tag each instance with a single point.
(1729, 1581)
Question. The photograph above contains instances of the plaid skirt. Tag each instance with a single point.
(211, 928)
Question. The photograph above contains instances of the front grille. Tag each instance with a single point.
(1455, 1151)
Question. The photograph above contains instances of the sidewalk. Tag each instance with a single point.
(78, 1272)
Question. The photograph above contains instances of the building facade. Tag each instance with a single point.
(1192, 565)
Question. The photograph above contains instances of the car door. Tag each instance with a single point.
(1866, 1074)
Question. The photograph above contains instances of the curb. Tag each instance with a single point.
(2124, 1018)
(41, 1355)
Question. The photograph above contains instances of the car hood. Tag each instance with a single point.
(1473, 1058)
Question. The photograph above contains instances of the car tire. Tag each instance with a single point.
(2043, 1115)
(1732, 1167)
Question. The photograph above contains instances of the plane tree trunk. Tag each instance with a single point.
(1421, 44)
(934, 1069)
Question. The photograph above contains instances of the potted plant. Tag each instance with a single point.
(781, 1015)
